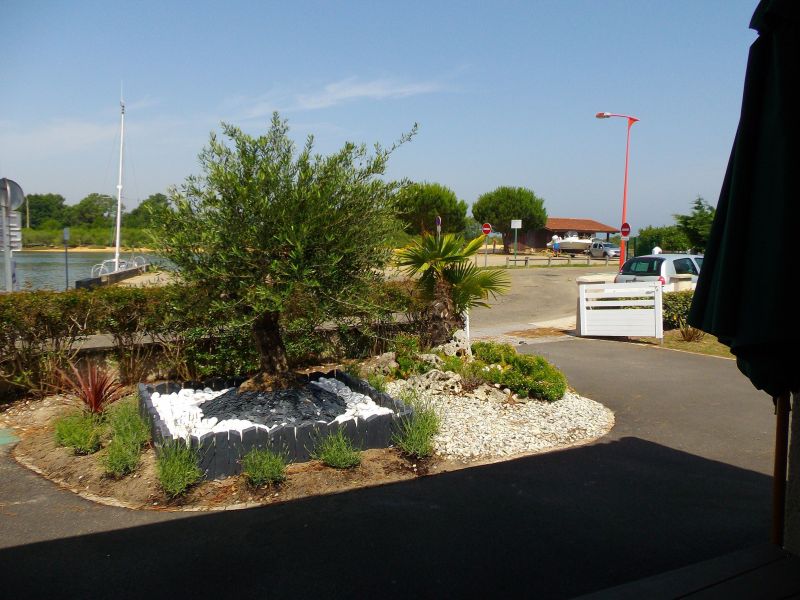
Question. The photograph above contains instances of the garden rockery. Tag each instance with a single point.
(288, 422)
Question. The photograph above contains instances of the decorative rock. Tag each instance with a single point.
(438, 382)
(459, 346)
(383, 364)
(431, 359)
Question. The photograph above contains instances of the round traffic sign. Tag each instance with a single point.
(625, 230)
(487, 228)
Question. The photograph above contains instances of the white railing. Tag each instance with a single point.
(620, 309)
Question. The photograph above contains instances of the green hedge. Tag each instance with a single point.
(192, 339)
(676, 308)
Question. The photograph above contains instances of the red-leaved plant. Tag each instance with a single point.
(95, 386)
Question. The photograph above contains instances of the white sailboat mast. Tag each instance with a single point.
(119, 182)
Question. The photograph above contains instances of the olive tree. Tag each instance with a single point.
(500, 206)
(266, 226)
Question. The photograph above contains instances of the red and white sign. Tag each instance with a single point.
(487, 228)
(625, 230)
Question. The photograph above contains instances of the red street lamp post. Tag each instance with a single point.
(631, 121)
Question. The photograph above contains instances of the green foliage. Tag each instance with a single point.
(95, 210)
(261, 467)
(129, 433)
(377, 381)
(443, 262)
(337, 451)
(500, 206)
(194, 336)
(38, 334)
(527, 376)
(142, 217)
(45, 208)
(406, 348)
(177, 468)
(669, 239)
(676, 307)
(264, 223)
(420, 203)
(49, 235)
(494, 353)
(696, 226)
(415, 434)
(79, 431)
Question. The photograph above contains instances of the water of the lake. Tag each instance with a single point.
(45, 270)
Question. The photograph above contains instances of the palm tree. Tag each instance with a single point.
(448, 280)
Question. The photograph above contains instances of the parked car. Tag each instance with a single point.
(660, 267)
(603, 250)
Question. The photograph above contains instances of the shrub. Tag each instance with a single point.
(406, 347)
(129, 433)
(415, 434)
(80, 431)
(689, 333)
(337, 451)
(676, 308)
(263, 466)
(95, 386)
(177, 468)
(530, 376)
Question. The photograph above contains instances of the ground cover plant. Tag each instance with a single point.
(527, 376)
(261, 467)
(414, 436)
(337, 451)
(79, 431)
(129, 434)
(177, 468)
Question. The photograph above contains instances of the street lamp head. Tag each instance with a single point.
(603, 115)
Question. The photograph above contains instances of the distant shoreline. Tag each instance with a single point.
(94, 249)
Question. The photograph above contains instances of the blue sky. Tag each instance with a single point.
(504, 93)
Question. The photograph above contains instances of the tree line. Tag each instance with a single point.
(95, 211)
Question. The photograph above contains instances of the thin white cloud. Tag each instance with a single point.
(350, 89)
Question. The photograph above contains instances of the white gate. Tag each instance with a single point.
(620, 309)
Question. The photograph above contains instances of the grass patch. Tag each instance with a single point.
(337, 451)
(177, 468)
(129, 433)
(707, 345)
(415, 434)
(263, 466)
(79, 431)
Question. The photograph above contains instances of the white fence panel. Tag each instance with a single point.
(620, 309)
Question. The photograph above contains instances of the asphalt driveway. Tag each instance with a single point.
(682, 478)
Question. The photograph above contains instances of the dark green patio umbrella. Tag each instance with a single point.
(744, 293)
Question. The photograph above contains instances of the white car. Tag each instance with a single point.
(660, 267)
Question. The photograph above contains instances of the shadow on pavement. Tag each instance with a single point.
(553, 525)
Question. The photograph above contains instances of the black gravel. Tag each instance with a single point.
(294, 406)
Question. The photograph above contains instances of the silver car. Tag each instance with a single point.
(660, 267)
(603, 250)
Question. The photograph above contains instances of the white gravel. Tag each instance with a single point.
(473, 428)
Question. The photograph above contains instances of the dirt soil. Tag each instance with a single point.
(33, 420)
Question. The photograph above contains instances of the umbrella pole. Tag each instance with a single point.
(779, 473)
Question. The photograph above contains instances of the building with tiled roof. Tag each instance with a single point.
(561, 226)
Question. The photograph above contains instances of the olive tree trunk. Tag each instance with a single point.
(267, 335)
